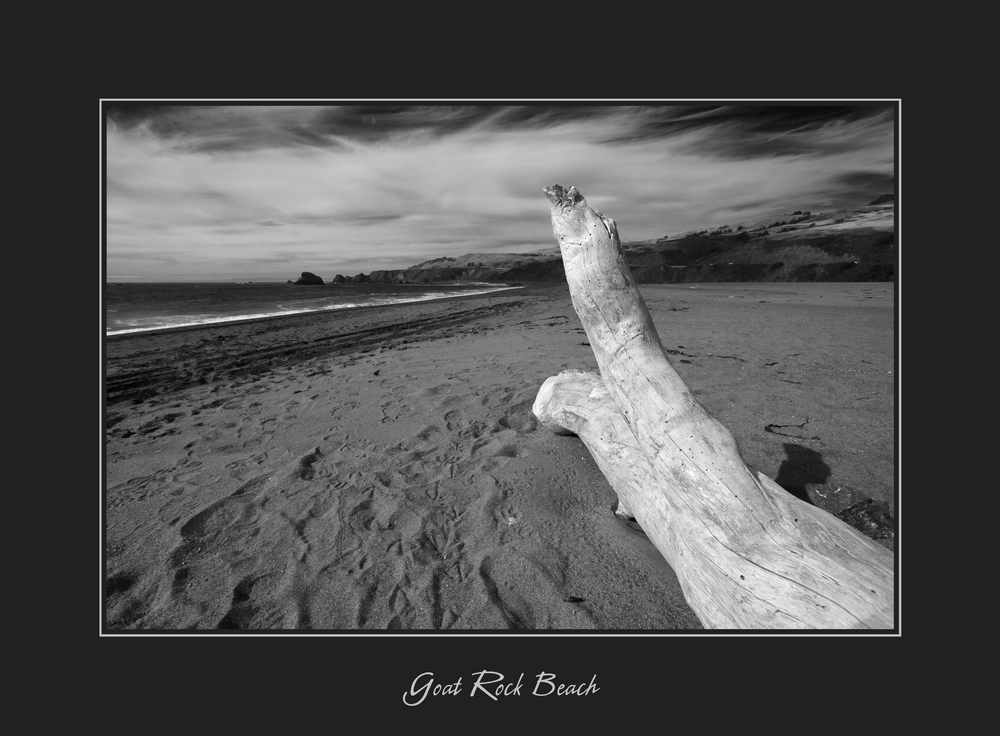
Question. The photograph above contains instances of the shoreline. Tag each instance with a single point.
(384, 471)
(220, 322)
(187, 353)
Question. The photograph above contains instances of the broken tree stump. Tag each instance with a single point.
(747, 553)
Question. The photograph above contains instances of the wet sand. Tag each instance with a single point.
(381, 469)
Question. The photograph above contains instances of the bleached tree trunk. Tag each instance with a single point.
(575, 402)
(747, 553)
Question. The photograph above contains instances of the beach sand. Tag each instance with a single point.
(381, 468)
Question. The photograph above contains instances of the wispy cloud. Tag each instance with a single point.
(267, 191)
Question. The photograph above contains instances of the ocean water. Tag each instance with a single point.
(139, 307)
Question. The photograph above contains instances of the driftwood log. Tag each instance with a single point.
(748, 554)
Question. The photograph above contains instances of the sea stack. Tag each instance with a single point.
(309, 279)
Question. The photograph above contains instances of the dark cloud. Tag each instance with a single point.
(244, 127)
(373, 122)
(128, 115)
(728, 130)
(862, 186)
(373, 219)
(741, 131)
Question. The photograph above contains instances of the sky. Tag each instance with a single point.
(218, 191)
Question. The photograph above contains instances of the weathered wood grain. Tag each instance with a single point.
(747, 553)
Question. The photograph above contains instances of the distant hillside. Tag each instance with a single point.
(843, 245)
(882, 199)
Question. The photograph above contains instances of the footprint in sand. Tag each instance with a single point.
(305, 469)
(520, 418)
(520, 586)
(241, 611)
(361, 517)
(497, 453)
(366, 604)
(127, 606)
(394, 410)
(252, 608)
(514, 609)
(433, 561)
(231, 523)
(119, 583)
(454, 420)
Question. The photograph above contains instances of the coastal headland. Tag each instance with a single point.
(847, 245)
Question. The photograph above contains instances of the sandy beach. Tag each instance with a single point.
(381, 469)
